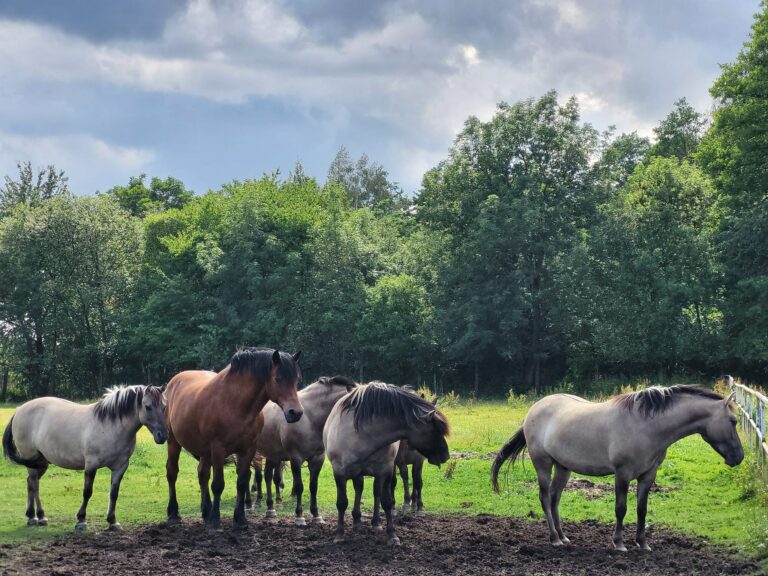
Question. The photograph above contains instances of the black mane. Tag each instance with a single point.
(258, 363)
(657, 399)
(121, 401)
(378, 399)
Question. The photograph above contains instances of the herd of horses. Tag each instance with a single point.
(253, 412)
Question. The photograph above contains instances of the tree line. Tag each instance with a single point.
(539, 249)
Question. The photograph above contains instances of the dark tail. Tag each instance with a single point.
(9, 449)
(510, 451)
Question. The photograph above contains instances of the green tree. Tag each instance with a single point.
(32, 187)
(141, 200)
(735, 152)
(679, 134)
(511, 197)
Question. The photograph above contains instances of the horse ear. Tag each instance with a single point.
(276, 358)
(297, 356)
(731, 396)
(162, 388)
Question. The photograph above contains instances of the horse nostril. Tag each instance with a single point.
(292, 415)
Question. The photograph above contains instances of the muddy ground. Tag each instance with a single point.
(453, 544)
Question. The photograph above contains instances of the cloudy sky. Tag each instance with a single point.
(209, 91)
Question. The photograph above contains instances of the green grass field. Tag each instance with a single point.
(706, 498)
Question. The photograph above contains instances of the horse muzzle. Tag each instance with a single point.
(292, 415)
(734, 459)
(160, 437)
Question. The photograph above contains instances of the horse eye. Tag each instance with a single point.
(149, 408)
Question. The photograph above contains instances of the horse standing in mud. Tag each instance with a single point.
(300, 442)
(627, 436)
(215, 415)
(361, 437)
(82, 437)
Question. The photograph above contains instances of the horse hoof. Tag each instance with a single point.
(643, 547)
(420, 514)
(378, 527)
(394, 541)
(300, 521)
(116, 527)
(240, 525)
(318, 520)
(338, 539)
(32, 522)
(565, 541)
(620, 547)
(556, 543)
(271, 513)
(81, 526)
(42, 521)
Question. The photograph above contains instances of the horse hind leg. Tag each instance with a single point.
(243, 480)
(387, 502)
(298, 483)
(341, 506)
(555, 491)
(543, 468)
(417, 503)
(32, 475)
(203, 478)
(41, 519)
(269, 476)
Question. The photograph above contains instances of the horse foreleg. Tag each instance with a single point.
(87, 491)
(386, 502)
(41, 519)
(418, 484)
(243, 480)
(555, 491)
(114, 491)
(315, 465)
(544, 475)
(622, 487)
(218, 457)
(269, 474)
(279, 484)
(171, 473)
(298, 484)
(203, 478)
(644, 484)
(341, 506)
(359, 483)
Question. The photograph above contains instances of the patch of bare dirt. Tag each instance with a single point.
(435, 545)
(594, 490)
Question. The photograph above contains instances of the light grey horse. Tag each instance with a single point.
(361, 438)
(300, 442)
(82, 437)
(627, 436)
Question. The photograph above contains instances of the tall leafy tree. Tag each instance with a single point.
(512, 196)
(735, 152)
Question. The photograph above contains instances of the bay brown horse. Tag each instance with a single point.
(216, 415)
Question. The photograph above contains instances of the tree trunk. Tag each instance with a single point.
(4, 392)
(477, 379)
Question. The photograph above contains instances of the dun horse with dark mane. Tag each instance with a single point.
(214, 416)
(627, 436)
(361, 438)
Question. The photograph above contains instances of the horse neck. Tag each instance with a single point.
(388, 430)
(685, 417)
(243, 392)
(319, 402)
(126, 427)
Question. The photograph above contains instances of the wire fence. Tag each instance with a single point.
(752, 411)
